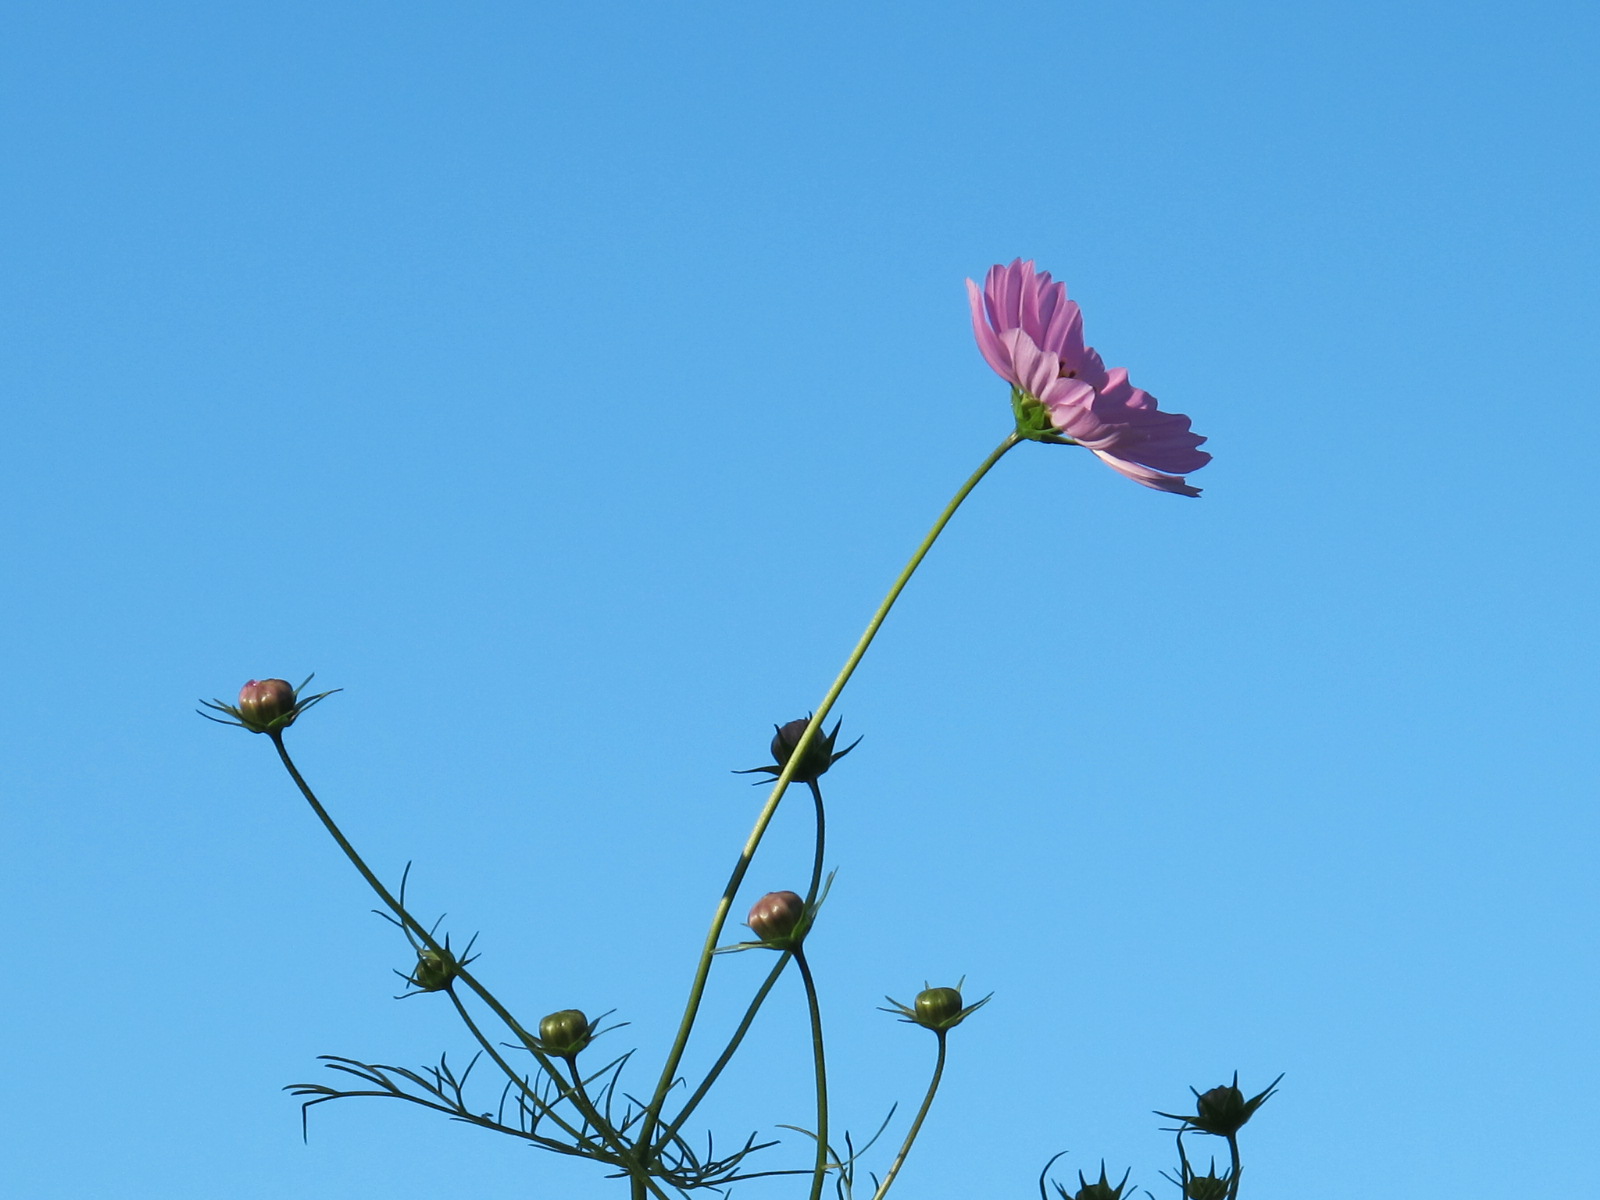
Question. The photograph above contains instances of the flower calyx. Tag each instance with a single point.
(1222, 1111)
(436, 970)
(1100, 1189)
(940, 1009)
(266, 705)
(816, 759)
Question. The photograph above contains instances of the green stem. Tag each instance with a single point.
(427, 939)
(515, 1077)
(697, 989)
(916, 1126)
(1233, 1151)
(820, 1172)
(766, 987)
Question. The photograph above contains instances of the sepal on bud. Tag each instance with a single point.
(936, 1008)
(266, 705)
(818, 756)
(1223, 1110)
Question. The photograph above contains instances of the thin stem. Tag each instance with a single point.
(466, 977)
(820, 1172)
(1233, 1151)
(916, 1126)
(511, 1073)
(727, 1054)
(697, 989)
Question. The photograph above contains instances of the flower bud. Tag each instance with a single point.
(937, 1005)
(1223, 1110)
(263, 702)
(1207, 1187)
(435, 971)
(565, 1033)
(1102, 1188)
(819, 755)
(938, 1009)
(817, 759)
(776, 916)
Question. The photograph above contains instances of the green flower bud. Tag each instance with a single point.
(1207, 1187)
(938, 1009)
(1102, 1188)
(565, 1033)
(776, 916)
(266, 702)
(937, 1005)
(1223, 1110)
(435, 971)
(819, 756)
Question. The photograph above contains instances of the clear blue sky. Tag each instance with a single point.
(567, 382)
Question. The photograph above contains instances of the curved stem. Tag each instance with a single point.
(527, 1039)
(703, 969)
(820, 1172)
(916, 1126)
(1233, 1151)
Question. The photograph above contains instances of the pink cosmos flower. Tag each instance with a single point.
(1032, 336)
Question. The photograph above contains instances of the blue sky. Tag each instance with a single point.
(568, 383)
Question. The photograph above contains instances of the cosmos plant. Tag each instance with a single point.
(559, 1090)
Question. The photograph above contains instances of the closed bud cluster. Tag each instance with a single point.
(777, 918)
(565, 1033)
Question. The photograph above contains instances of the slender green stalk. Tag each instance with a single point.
(820, 1173)
(427, 939)
(916, 1126)
(767, 985)
(522, 1084)
(1233, 1151)
(703, 969)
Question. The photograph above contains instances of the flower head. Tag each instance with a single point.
(1061, 391)
(265, 706)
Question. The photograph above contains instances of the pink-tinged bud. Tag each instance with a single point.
(265, 701)
(776, 916)
(565, 1033)
(265, 706)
